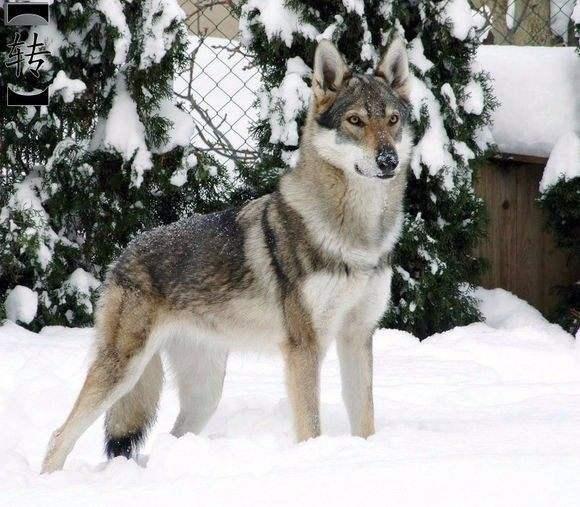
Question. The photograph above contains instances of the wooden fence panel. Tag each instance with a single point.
(523, 256)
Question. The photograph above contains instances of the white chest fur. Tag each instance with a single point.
(333, 298)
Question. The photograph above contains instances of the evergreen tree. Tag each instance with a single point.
(434, 266)
(107, 158)
(561, 201)
(560, 198)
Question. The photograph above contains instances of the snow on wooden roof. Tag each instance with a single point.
(539, 91)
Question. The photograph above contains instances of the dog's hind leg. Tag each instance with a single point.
(199, 371)
(124, 350)
(100, 390)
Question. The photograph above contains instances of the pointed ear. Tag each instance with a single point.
(394, 68)
(329, 73)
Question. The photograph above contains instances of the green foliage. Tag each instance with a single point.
(69, 202)
(561, 202)
(435, 269)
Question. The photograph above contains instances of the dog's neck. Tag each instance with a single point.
(352, 217)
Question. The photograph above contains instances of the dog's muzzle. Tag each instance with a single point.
(387, 161)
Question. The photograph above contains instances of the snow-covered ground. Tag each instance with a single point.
(482, 415)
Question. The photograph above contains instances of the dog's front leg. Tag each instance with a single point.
(355, 352)
(302, 380)
(302, 356)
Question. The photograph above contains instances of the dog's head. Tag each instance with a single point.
(359, 122)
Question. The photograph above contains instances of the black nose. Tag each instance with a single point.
(387, 160)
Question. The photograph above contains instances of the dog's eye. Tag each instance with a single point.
(394, 119)
(354, 120)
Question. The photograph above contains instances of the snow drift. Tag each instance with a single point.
(487, 414)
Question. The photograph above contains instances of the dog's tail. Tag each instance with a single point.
(128, 420)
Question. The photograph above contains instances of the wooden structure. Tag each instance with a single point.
(522, 254)
(210, 17)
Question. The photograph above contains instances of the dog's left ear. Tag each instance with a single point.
(328, 75)
(394, 68)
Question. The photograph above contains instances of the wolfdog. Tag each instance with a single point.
(293, 270)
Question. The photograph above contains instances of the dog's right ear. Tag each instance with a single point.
(329, 73)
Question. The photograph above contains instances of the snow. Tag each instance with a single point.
(287, 101)
(27, 197)
(386, 8)
(560, 14)
(564, 161)
(182, 130)
(431, 150)
(330, 29)
(191, 160)
(486, 414)
(503, 310)
(278, 20)
(416, 54)
(357, 6)
(463, 151)
(297, 66)
(483, 138)
(113, 11)
(461, 16)
(66, 86)
(367, 51)
(21, 304)
(179, 177)
(449, 94)
(82, 284)
(124, 132)
(473, 102)
(44, 255)
(159, 16)
(537, 89)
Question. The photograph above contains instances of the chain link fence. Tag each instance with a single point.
(220, 87)
(528, 22)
